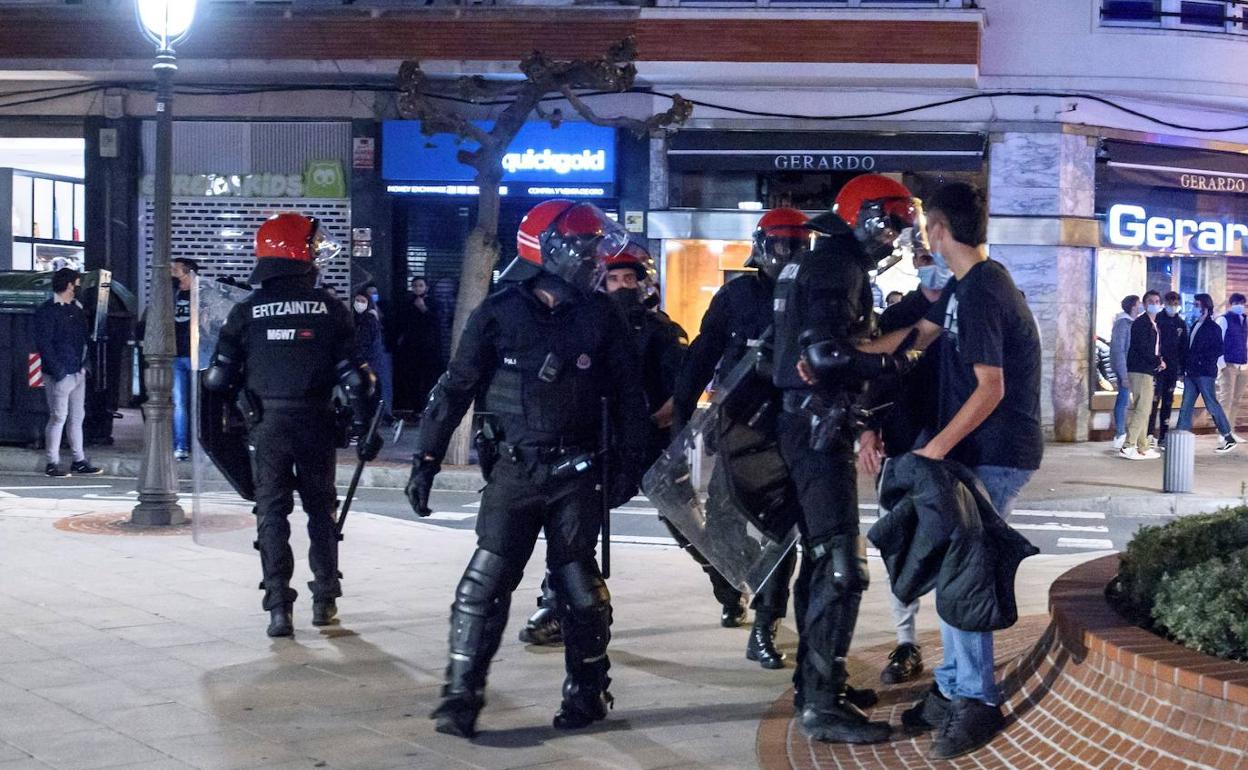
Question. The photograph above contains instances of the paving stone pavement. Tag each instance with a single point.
(149, 652)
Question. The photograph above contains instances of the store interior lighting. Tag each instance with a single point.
(58, 156)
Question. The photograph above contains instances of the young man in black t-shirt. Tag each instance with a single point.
(182, 272)
(988, 418)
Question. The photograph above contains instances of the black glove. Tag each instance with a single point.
(420, 484)
(621, 490)
(368, 447)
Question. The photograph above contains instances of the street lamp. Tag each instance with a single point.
(165, 23)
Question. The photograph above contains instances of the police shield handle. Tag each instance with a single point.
(369, 438)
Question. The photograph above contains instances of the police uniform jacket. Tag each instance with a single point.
(542, 373)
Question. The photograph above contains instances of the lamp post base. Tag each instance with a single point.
(158, 513)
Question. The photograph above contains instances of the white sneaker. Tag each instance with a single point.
(1130, 453)
(1152, 442)
(1149, 454)
(1119, 440)
(1226, 444)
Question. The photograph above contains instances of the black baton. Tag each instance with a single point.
(605, 440)
(359, 470)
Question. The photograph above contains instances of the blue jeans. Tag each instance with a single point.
(1205, 387)
(1121, 403)
(182, 403)
(967, 669)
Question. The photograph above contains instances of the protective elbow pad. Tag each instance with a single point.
(220, 375)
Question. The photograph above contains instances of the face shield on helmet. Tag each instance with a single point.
(780, 238)
(578, 243)
(892, 229)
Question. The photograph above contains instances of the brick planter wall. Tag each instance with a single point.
(1143, 700)
(1083, 689)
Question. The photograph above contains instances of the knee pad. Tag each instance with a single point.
(487, 578)
(845, 556)
(580, 587)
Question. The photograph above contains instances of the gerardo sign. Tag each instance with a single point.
(823, 151)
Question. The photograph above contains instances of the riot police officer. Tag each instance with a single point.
(823, 306)
(661, 343)
(284, 349)
(739, 314)
(544, 352)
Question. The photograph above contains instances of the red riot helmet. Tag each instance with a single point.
(291, 244)
(635, 257)
(570, 240)
(781, 237)
(886, 219)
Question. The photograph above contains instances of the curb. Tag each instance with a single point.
(380, 475)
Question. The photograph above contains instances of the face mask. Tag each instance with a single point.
(934, 277)
(1172, 310)
(939, 259)
(1237, 309)
(360, 306)
(626, 298)
(1154, 308)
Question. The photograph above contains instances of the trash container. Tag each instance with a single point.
(23, 407)
(1180, 463)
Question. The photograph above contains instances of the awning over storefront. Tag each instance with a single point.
(1183, 168)
(822, 151)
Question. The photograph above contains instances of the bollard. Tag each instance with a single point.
(1180, 461)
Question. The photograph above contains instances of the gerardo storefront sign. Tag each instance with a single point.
(824, 151)
(1172, 200)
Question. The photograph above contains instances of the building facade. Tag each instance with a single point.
(1107, 133)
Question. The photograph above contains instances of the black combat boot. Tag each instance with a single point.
(842, 722)
(461, 701)
(585, 700)
(281, 622)
(324, 612)
(543, 628)
(905, 664)
(732, 615)
(762, 644)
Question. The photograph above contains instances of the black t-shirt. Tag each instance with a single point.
(987, 321)
(182, 322)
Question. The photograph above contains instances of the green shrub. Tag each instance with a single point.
(1156, 552)
(1205, 607)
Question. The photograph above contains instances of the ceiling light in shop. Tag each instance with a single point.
(749, 205)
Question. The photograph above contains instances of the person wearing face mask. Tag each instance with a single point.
(893, 432)
(1204, 349)
(1172, 341)
(1144, 363)
(61, 332)
(1119, 340)
(1233, 379)
(662, 344)
(369, 345)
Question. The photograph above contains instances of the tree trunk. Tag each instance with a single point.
(480, 256)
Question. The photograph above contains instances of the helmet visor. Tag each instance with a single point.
(892, 229)
(322, 247)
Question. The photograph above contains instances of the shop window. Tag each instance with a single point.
(23, 200)
(1131, 10)
(693, 270)
(63, 211)
(1202, 14)
(41, 222)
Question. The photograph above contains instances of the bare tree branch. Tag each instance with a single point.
(678, 113)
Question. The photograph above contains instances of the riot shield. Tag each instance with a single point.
(745, 523)
(221, 466)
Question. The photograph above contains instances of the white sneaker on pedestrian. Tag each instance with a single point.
(1149, 454)
(1152, 442)
(1129, 453)
(1226, 444)
(1119, 440)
